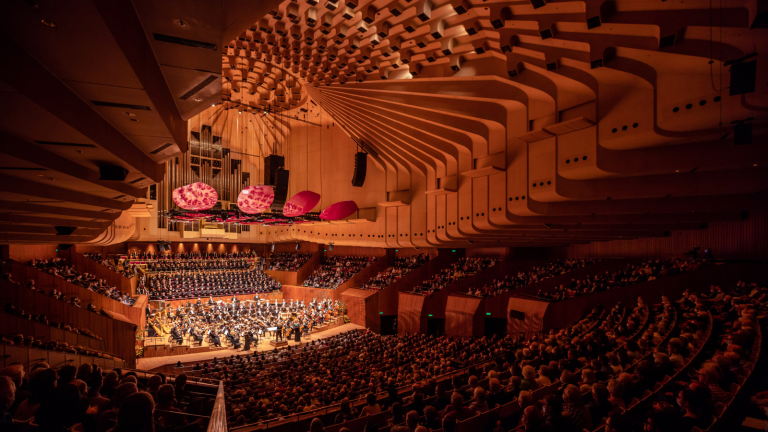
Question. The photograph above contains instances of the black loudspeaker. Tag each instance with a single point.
(272, 164)
(743, 76)
(742, 133)
(273, 247)
(63, 247)
(361, 164)
(112, 172)
(298, 246)
(281, 189)
(64, 230)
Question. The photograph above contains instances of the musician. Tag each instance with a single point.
(247, 337)
(197, 337)
(296, 331)
(279, 332)
(210, 301)
(176, 335)
(214, 338)
(234, 339)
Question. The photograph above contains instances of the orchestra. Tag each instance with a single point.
(241, 323)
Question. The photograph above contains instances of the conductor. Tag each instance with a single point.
(247, 337)
(279, 332)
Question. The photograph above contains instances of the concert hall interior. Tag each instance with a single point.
(383, 215)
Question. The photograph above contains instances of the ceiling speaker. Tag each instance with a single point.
(112, 172)
(742, 133)
(361, 165)
(281, 189)
(64, 230)
(743, 76)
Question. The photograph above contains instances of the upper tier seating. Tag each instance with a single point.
(460, 269)
(401, 267)
(59, 268)
(647, 270)
(537, 274)
(128, 271)
(288, 261)
(337, 269)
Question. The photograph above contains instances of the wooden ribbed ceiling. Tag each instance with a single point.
(535, 122)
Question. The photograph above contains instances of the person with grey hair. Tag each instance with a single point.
(524, 399)
(457, 408)
(574, 410)
(7, 396)
(479, 403)
(16, 373)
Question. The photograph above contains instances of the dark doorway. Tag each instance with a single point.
(388, 324)
(495, 326)
(436, 326)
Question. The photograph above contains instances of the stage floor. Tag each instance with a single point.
(264, 345)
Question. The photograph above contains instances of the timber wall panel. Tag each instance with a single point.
(435, 303)
(85, 264)
(26, 252)
(459, 314)
(409, 313)
(733, 240)
(11, 354)
(119, 336)
(44, 281)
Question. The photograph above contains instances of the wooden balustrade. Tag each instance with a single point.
(542, 316)
(119, 336)
(412, 309)
(47, 282)
(87, 265)
(299, 276)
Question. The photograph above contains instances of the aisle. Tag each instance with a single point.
(264, 345)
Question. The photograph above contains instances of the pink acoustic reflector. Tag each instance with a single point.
(339, 210)
(301, 203)
(255, 199)
(195, 196)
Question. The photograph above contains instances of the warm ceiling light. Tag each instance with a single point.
(677, 170)
(239, 112)
(213, 104)
(754, 165)
(182, 23)
(47, 23)
(197, 99)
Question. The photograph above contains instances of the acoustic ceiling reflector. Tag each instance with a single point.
(195, 196)
(339, 210)
(301, 203)
(256, 199)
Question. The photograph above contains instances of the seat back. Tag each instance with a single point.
(359, 423)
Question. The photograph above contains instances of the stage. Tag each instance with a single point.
(151, 363)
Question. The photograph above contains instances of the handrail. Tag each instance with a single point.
(218, 421)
